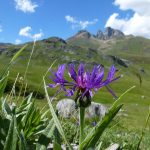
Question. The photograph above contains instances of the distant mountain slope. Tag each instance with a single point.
(101, 39)
(84, 47)
(51, 49)
(111, 40)
(130, 54)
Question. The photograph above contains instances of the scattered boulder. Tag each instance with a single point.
(96, 110)
(142, 70)
(113, 147)
(67, 108)
(51, 147)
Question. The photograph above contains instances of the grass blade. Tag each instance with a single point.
(142, 135)
(12, 137)
(22, 141)
(56, 121)
(12, 60)
(18, 54)
(3, 83)
(99, 146)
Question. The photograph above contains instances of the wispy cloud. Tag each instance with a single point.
(138, 24)
(75, 23)
(18, 41)
(38, 35)
(26, 32)
(25, 6)
(1, 29)
(71, 19)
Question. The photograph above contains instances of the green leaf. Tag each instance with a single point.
(5, 73)
(92, 138)
(46, 136)
(57, 146)
(57, 140)
(12, 137)
(99, 146)
(3, 83)
(4, 127)
(18, 54)
(22, 141)
(12, 60)
(56, 120)
(95, 134)
(28, 113)
(6, 108)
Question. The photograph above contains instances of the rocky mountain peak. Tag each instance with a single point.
(109, 33)
(100, 35)
(112, 33)
(83, 33)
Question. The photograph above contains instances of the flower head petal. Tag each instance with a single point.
(111, 73)
(72, 72)
(81, 70)
(110, 90)
(60, 71)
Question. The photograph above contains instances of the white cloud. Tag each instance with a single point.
(26, 32)
(18, 41)
(139, 6)
(1, 28)
(37, 35)
(70, 19)
(138, 24)
(85, 24)
(78, 23)
(26, 6)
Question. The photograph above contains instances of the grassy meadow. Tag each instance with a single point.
(130, 121)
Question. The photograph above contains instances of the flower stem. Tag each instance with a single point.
(81, 119)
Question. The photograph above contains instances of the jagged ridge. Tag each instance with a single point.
(109, 33)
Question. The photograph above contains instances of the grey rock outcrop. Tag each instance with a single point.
(112, 33)
(67, 108)
(55, 40)
(109, 33)
(100, 35)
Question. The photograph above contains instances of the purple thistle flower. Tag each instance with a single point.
(84, 82)
(58, 78)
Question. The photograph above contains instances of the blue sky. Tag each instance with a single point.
(25, 20)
